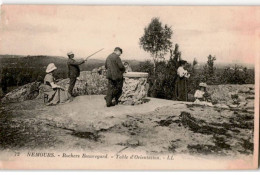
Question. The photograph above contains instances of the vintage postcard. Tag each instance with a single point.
(129, 87)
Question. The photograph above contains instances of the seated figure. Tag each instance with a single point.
(202, 96)
(55, 93)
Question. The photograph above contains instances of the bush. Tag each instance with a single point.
(237, 75)
(162, 82)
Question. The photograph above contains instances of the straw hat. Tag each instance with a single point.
(203, 85)
(51, 67)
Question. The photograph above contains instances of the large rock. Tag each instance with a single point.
(26, 92)
(89, 83)
(80, 87)
(96, 81)
(228, 93)
(134, 88)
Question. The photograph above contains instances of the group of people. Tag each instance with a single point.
(114, 73)
(55, 93)
(201, 95)
(115, 68)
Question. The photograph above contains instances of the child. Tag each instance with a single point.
(127, 67)
(202, 96)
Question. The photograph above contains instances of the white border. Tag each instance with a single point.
(135, 2)
(132, 2)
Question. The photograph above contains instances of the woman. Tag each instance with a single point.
(56, 94)
(181, 82)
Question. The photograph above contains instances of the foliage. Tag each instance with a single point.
(237, 75)
(162, 81)
(209, 70)
(17, 70)
(156, 39)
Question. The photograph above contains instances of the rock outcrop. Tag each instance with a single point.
(160, 126)
(233, 96)
(26, 92)
(80, 87)
(96, 81)
(89, 83)
(224, 93)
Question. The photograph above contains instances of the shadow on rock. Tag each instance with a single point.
(248, 147)
(201, 126)
(204, 149)
(86, 135)
(168, 121)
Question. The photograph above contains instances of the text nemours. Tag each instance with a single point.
(98, 156)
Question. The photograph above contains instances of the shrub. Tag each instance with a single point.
(237, 75)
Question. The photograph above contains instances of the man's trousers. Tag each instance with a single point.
(72, 84)
(114, 90)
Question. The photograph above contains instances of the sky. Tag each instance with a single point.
(229, 33)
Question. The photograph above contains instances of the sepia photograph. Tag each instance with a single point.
(129, 87)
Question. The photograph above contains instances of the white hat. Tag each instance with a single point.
(203, 85)
(51, 67)
(70, 53)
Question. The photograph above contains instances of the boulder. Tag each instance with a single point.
(26, 92)
(96, 82)
(89, 83)
(231, 94)
(80, 87)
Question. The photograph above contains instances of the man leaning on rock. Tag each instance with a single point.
(115, 70)
(73, 71)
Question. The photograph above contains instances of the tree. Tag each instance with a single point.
(162, 82)
(195, 62)
(209, 69)
(156, 39)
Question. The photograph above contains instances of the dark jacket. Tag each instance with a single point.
(115, 67)
(73, 67)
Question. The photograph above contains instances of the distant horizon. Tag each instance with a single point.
(103, 59)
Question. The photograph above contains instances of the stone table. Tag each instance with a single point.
(134, 88)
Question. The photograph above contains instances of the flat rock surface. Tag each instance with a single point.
(156, 127)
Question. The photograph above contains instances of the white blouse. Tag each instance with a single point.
(199, 94)
(182, 72)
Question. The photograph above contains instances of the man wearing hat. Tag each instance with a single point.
(115, 70)
(74, 71)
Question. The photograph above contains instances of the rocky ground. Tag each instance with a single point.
(156, 127)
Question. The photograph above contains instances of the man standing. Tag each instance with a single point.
(74, 71)
(115, 70)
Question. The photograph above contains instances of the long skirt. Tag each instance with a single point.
(55, 96)
(181, 92)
